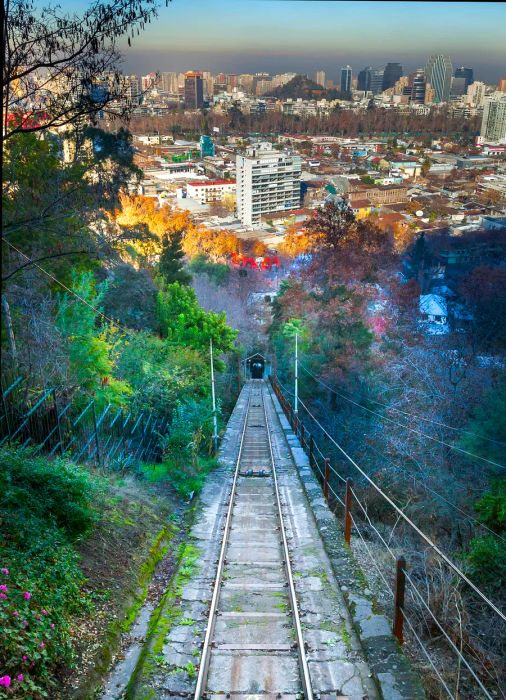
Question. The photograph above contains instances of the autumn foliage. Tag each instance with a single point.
(157, 222)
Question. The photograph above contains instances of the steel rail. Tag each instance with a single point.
(206, 649)
(305, 677)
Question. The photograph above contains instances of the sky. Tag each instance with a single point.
(236, 36)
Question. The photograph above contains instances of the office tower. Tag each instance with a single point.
(376, 80)
(193, 90)
(364, 79)
(501, 85)
(476, 93)
(418, 87)
(267, 181)
(493, 123)
(346, 79)
(466, 73)
(438, 72)
(393, 72)
(320, 77)
(458, 87)
(206, 146)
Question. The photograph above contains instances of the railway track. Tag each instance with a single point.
(253, 643)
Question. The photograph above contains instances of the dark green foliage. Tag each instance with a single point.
(219, 273)
(487, 561)
(487, 555)
(45, 505)
(171, 266)
(488, 421)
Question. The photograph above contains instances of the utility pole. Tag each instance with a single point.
(296, 404)
(213, 393)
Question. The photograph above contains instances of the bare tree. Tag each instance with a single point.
(61, 66)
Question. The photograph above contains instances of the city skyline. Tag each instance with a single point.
(273, 36)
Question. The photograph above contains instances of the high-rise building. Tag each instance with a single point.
(319, 77)
(438, 72)
(376, 80)
(466, 73)
(476, 93)
(364, 79)
(169, 83)
(206, 146)
(246, 81)
(346, 74)
(129, 89)
(493, 123)
(149, 81)
(501, 85)
(267, 181)
(193, 90)
(458, 87)
(393, 72)
(418, 88)
(232, 81)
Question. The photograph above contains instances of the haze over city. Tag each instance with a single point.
(289, 35)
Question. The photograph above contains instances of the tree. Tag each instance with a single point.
(171, 265)
(424, 170)
(331, 222)
(55, 60)
(184, 322)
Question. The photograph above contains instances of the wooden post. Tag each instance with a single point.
(326, 479)
(311, 450)
(347, 511)
(400, 586)
(301, 434)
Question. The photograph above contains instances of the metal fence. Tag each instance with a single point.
(54, 423)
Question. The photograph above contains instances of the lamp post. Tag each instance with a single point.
(296, 402)
(213, 394)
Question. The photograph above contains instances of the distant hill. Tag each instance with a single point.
(300, 86)
(307, 89)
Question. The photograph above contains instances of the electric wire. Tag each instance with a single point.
(415, 527)
(445, 634)
(411, 415)
(71, 291)
(406, 427)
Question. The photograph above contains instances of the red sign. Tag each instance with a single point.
(265, 263)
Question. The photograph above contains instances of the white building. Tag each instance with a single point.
(267, 181)
(493, 124)
(210, 190)
(476, 93)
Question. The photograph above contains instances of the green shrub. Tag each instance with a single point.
(487, 561)
(45, 505)
(219, 273)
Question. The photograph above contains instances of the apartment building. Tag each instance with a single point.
(267, 181)
(210, 190)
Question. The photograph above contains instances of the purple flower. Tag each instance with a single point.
(5, 571)
(3, 588)
(41, 645)
(20, 677)
(5, 680)
(15, 613)
(45, 612)
(25, 623)
(2, 596)
(27, 595)
(24, 657)
(52, 625)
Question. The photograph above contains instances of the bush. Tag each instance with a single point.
(187, 447)
(487, 561)
(45, 506)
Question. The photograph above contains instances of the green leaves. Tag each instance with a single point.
(184, 322)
